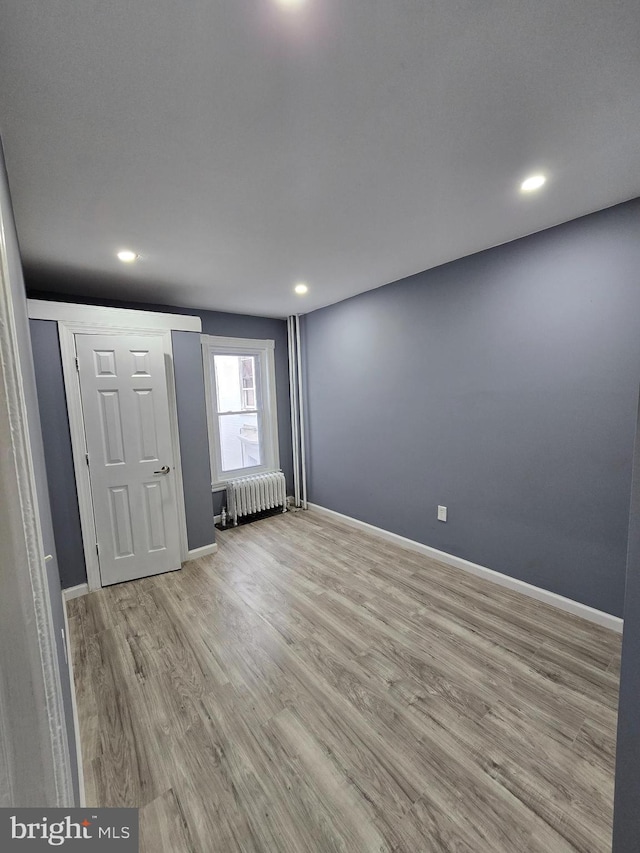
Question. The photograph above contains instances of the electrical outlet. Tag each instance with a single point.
(442, 513)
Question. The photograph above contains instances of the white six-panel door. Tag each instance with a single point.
(125, 405)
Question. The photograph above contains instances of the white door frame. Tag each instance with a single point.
(95, 320)
(33, 735)
(67, 331)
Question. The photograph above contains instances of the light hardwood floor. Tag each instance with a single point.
(312, 688)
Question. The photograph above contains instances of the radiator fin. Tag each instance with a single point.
(248, 495)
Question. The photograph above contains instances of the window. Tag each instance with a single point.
(241, 407)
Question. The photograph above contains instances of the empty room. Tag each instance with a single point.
(320, 360)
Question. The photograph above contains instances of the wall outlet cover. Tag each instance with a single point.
(442, 513)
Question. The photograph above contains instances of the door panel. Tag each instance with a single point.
(131, 466)
(147, 425)
(140, 363)
(155, 516)
(121, 521)
(111, 423)
(105, 363)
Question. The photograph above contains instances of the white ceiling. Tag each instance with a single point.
(240, 147)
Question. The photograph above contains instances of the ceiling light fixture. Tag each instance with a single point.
(532, 183)
(301, 288)
(290, 4)
(127, 256)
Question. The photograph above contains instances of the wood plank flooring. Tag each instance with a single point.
(313, 688)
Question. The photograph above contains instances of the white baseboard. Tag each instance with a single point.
(74, 705)
(75, 591)
(202, 552)
(83, 588)
(614, 623)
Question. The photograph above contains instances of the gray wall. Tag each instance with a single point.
(626, 824)
(57, 450)
(194, 438)
(19, 687)
(200, 504)
(503, 386)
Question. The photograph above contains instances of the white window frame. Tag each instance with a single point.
(244, 392)
(267, 418)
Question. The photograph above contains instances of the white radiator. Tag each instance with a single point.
(247, 495)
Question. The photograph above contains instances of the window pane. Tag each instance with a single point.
(234, 373)
(239, 441)
(248, 399)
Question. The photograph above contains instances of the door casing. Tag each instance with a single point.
(129, 486)
(67, 330)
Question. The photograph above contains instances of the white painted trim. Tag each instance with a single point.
(300, 403)
(67, 330)
(614, 623)
(75, 591)
(97, 315)
(175, 441)
(220, 342)
(74, 702)
(204, 551)
(78, 451)
(26, 552)
(268, 411)
(293, 402)
(7, 794)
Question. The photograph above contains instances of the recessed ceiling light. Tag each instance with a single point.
(532, 183)
(127, 256)
(301, 288)
(290, 4)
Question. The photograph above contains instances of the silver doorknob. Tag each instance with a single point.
(164, 470)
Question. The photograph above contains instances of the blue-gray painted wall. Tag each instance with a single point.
(57, 450)
(503, 386)
(626, 822)
(200, 504)
(194, 437)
